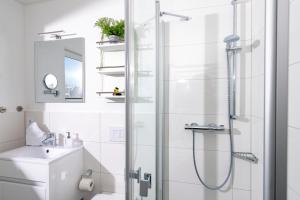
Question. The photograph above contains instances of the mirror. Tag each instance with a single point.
(50, 81)
(73, 76)
(60, 71)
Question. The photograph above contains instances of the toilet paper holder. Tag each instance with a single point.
(87, 174)
(87, 183)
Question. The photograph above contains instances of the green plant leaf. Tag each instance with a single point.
(111, 26)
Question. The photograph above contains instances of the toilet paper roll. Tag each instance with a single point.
(86, 184)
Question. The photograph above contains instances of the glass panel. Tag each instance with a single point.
(142, 96)
(294, 106)
(197, 90)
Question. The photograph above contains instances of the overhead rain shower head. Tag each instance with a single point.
(181, 17)
(231, 38)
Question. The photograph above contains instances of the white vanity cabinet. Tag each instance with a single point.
(16, 191)
(38, 173)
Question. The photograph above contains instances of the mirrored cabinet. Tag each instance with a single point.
(60, 71)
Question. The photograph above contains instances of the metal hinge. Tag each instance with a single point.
(136, 175)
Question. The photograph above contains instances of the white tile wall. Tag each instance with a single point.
(179, 191)
(204, 61)
(294, 32)
(294, 98)
(112, 184)
(109, 121)
(212, 166)
(242, 175)
(12, 144)
(12, 126)
(12, 69)
(177, 5)
(92, 156)
(293, 159)
(257, 98)
(208, 25)
(87, 125)
(241, 194)
(204, 96)
(113, 158)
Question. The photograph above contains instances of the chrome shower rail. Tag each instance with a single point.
(182, 17)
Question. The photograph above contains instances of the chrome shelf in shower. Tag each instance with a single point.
(247, 156)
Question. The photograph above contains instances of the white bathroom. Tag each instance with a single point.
(149, 100)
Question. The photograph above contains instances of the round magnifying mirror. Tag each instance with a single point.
(50, 81)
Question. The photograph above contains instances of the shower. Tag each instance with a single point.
(235, 85)
(231, 51)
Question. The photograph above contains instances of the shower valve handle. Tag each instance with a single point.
(209, 127)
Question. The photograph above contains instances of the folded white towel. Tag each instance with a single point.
(34, 135)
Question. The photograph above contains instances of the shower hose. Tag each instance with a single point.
(230, 122)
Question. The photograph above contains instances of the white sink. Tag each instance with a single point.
(37, 154)
(41, 173)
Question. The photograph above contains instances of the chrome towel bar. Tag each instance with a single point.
(3, 109)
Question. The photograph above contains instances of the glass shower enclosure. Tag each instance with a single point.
(144, 101)
(177, 97)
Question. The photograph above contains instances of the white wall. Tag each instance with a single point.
(257, 97)
(294, 108)
(11, 73)
(197, 92)
(94, 118)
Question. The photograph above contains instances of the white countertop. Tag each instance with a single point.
(40, 155)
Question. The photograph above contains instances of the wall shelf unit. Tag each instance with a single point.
(113, 71)
(110, 96)
(117, 98)
(111, 47)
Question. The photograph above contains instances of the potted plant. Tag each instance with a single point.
(113, 29)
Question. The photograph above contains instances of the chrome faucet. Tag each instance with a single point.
(50, 140)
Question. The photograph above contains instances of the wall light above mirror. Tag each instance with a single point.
(60, 71)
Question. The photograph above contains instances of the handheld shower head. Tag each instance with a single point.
(231, 39)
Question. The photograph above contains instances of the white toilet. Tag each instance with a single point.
(109, 197)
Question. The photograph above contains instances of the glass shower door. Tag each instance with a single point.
(142, 100)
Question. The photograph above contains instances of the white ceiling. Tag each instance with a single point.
(30, 1)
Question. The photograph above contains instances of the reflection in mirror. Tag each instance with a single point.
(73, 75)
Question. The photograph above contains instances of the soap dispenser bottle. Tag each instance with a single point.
(76, 141)
(69, 141)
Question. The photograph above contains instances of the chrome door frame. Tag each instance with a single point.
(276, 99)
(128, 108)
(159, 103)
(160, 107)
